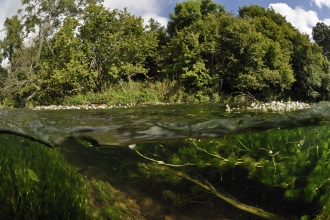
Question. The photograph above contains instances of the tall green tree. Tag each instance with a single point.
(153, 60)
(308, 65)
(190, 12)
(116, 44)
(19, 81)
(219, 51)
(271, 24)
(65, 66)
(43, 17)
(184, 60)
(311, 71)
(321, 35)
(35, 24)
(251, 61)
(13, 37)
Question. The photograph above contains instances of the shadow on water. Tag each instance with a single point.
(177, 155)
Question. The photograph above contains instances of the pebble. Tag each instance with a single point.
(90, 106)
(277, 106)
(86, 106)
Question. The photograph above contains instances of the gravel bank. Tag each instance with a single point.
(86, 106)
(274, 106)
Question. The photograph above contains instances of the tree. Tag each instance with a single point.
(271, 24)
(221, 51)
(159, 30)
(184, 60)
(153, 60)
(190, 12)
(115, 43)
(20, 81)
(321, 35)
(14, 37)
(252, 62)
(64, 66)
(308, 65)
(188, 65)
(45, 16)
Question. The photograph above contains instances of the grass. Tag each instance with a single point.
(142, 93)
(132, 92)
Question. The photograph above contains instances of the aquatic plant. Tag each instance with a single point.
(36, 182)
(294, 163)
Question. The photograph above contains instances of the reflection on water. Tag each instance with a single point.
(275, 165)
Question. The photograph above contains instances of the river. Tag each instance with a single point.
(181, 154)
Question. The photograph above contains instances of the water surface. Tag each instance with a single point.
(123, 126)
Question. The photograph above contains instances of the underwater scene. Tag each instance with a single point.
(168, 162)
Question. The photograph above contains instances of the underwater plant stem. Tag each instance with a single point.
(209, 187)
(162, 162)
(214, 155)
(244, 146)
(274, 165)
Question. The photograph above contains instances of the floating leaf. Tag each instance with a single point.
(32, 175)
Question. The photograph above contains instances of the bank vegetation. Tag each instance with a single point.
(72, 52)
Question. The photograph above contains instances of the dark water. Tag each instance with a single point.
(181, 154)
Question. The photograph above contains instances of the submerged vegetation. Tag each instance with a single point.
(61, 52)
(262, 173)
(36, 182)
(290, 167)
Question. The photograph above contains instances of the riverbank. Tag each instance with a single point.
(85, 106)
(128, 94)
(275, 106)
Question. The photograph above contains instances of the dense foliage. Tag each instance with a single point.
(59, 49)
(36, 182)
(279, 168)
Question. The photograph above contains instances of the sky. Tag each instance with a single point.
(302, 14)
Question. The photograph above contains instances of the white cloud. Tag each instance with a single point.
(320, 3)
(162, 20)
(303, 20)
(326, 21)
(145, 8)
(8, 9)
(135, 7)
